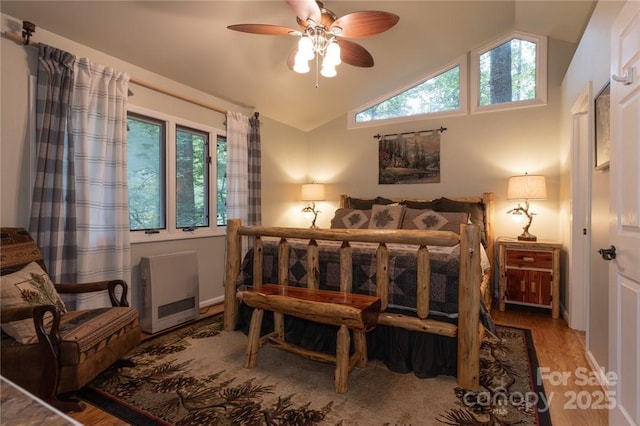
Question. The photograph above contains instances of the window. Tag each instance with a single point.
(439, 94)
(146, 172)
(509, 73)
(171, 172)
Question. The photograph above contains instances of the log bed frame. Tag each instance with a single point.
(472, 284)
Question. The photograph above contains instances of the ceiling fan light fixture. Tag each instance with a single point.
(305, 48)
(323, 34)
(332, 55)
(301, 65)
(328, 71)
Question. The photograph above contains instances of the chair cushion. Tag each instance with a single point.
(85, 333)
(29, 286)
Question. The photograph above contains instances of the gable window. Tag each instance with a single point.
(439, 94)
(509, 73)
(171, 170)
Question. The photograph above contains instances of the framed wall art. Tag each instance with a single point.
(602, 127)
(412, 157)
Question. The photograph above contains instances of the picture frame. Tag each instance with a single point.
(602, 104)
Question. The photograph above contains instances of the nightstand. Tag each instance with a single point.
(529, 273)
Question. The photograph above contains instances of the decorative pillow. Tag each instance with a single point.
(434, 221)
(386, 216)
(350, 219)
(420, 205)
(365, 203)
(475, 210)
(29, 286)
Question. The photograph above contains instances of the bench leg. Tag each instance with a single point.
(278, 324)
(360, 344)
(342, 359)
(253, 345)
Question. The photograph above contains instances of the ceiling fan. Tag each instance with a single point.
(322, 34)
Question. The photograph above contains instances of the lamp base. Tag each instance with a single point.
(525, 236)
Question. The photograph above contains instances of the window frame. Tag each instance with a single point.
(171, 232)
(461, 62)
(541, 43)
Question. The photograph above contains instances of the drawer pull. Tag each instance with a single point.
(528, 259)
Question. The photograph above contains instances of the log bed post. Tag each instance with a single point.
(234, 254)
(469, 334)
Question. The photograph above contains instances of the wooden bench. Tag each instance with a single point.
(348, 311)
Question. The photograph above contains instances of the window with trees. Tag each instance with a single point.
(441, 93)
(509, 73)
(171, 170)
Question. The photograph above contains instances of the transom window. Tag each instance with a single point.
(508, 73)
(176, 182)
(440, 93)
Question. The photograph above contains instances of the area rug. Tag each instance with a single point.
(195, 376)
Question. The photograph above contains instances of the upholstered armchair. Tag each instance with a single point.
(46, 349)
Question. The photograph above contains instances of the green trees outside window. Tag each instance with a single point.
(170, 175)
(440, 93)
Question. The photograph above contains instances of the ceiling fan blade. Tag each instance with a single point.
(263, 29)
(365, 23)
(305, 9)
(353, 54)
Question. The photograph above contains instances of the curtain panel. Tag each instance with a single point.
(255, 173)
(237, 166)
(52, 219)
(79, 212)
(99, 135)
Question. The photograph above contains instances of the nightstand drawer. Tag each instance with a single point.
(529, 259)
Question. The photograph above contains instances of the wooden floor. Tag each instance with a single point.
(559, 349)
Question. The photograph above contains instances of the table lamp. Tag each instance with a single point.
(312, 192)
(526, 187)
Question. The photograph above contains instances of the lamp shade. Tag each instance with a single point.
(527, 187)
(313, 192)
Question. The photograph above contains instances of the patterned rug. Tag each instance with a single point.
(195, 376)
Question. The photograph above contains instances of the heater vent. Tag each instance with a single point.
(170, 290)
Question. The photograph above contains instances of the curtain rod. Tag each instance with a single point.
(17, 38)
(379, 136)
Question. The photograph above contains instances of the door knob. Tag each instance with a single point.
(608, 254)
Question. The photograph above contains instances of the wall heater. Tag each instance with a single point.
(170, 290)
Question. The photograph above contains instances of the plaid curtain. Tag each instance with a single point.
(255, 169)
(98, 131)
(237, 166)
(53, 221)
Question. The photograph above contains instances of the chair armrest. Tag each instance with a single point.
(48, 343)
(15, 313)
(110, 286)
(49, 339)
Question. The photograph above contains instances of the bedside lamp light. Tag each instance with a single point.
(526, 187)
(312, 192)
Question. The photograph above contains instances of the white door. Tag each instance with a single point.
(624, 270)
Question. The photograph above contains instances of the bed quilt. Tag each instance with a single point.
(402, 272)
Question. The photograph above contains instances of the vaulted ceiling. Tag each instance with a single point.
(187, 41)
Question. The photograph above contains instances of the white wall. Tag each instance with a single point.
(591, 63)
